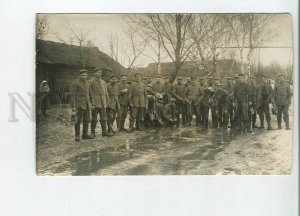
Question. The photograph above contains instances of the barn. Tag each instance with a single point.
(59, 64)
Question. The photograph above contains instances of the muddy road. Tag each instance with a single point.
(181, 151)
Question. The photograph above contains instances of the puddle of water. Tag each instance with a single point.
(202, 145)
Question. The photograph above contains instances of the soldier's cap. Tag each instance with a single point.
(159, 77)
(264, 76)
(114, 76)
(216, 79)
(123, 75)
(150, 86)
(44, 81)
(138, 74)
(252, 77)
(193, 78)
(219, 84)
(83, 71)
(179, 78)
(172, 99)
(201, 78)
(97, 69)
(210, 78)
(229, 78)
(282, 75)
(145, 78)
(240, 74)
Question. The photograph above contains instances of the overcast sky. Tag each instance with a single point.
(101, 26)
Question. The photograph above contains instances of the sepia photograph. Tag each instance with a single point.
(164, 94)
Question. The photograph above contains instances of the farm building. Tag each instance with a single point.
(59, 64)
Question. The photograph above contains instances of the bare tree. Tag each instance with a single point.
(42, 26)
(172, 31)
(79, 38)
(210, 34)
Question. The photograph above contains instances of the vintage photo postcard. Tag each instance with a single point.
(164, 94)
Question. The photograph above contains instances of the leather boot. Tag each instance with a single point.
(77, 131)
(130, 129)
(104, 131)
(84, 132)
(269, 126)
(279, 123)
(287, 124)
(262, 124)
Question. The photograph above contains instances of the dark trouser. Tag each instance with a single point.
(263, 111)
(242, 118)
(285, 110)
(214, 119)
(181, 109)
(122, 114)
(230, 112)
(204, 111)
(193, 109)
(222, 117)
(136, 115)
(85, 115)
(111, 116)
(252, 118)
(103, 118)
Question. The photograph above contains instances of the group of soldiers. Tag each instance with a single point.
(234, 104)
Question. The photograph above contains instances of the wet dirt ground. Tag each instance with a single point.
(165, 151)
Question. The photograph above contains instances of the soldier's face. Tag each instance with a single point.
(123, 80)
(138, 78)
(83, 76)
(113, 80)
(179, 81)
(98, 74)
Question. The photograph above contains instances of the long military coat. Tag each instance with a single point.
(100, 97)
(137, 95)
(282, 94)
(81, 95)
(113, 93)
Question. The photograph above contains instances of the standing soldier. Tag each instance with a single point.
(263, 99)
(100, 101)
(282, 95)
(204, 105)
(113, 107)
(158, 85)
(221, 102)
(211, 84)
(81, 104)
(179, 94)
(137, 96)
(193, 94)
(252, 101)
(229, 88)
(241, 92)
(123, 101)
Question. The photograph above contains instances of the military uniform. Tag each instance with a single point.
(112, 109)
(264, 98)
(82, 101)
(252, 103)
(193, 94)
(282, 96)
(210, 83)
(179, 94)
(204, 106)
(222, 101)
(137, 96)
(123, 101)
(100, 99)
(158, 87)
(229, 88)
(241, 92)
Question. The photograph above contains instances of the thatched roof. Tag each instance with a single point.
(59, 53)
